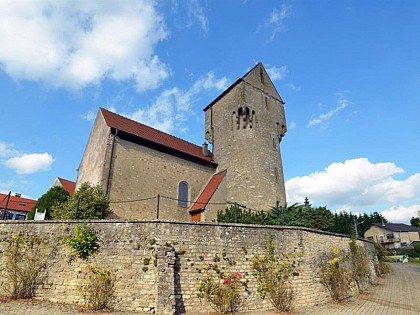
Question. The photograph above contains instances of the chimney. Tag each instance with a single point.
(18, 195)
(205, 149)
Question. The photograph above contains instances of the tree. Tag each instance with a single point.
(90, 201)
(54, 195)
(415, 221)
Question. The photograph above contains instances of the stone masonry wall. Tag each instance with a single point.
(159, 263)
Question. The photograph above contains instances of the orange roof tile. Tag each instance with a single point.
(156, 136)
(208, 192)
(67, 185)
(16, 203)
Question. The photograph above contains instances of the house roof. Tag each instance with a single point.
(397, 227)
(208, 191)
(67, 185)
(162, 139)
(16, 203)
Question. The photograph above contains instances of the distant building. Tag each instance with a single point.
(17, 207)
(135, 163)
(66, 184)
(392, 235)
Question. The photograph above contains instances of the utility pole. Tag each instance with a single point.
(7, 203)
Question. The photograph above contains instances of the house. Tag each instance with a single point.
(65, 183)
(17, 207)
(392, 235)
(150, 174)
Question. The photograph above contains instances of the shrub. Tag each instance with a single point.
(98, 288)
(359, 264)
(381, 267)
(274, 277)
(26, 259)
(221, 289)
(336, 276)
(90, 202)
(84, 240)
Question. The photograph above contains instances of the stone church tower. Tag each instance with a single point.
(245, 125)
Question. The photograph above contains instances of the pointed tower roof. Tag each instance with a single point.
(257, 77)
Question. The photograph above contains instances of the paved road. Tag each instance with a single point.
(396, 294)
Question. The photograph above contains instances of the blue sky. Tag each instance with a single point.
(349, 72)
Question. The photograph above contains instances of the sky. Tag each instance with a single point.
(348, 71)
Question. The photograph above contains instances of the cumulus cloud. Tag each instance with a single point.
(354, 184)
(7, 149)
(30, 163)
(172, 107)
(275, 22)
(277, 73)
(399, 214)
(342, 103)
(80, 43)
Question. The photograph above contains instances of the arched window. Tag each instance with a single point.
(183, 194)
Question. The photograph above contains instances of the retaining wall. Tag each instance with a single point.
(159, 263)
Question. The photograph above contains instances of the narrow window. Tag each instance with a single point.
(267, 103)
(262, 76)
(183, 194)
(276, 174)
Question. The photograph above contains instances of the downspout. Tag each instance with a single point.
(110, 162)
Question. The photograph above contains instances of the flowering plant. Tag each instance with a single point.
(221, 289)
(336, 275)
(275, 276)
(98, 287)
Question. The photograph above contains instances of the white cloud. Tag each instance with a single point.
(342, 103)
(354, 184)
(6, 150)
(196, 12)
(30, 163)
(277, 73)
(275, 22)
(80, 43)
(172, 106)
(89, 116)
(401, 214)
(293, 87)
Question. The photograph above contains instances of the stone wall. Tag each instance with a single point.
(159, 262)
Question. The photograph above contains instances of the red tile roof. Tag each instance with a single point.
(67, 185)
(208, 192)
(148, 133)
(16, 203)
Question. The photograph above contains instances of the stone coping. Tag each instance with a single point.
(215, 224)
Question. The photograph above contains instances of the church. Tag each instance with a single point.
(150, 174)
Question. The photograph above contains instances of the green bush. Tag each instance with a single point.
(84, 241)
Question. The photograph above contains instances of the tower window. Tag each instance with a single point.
(262, 75)
(276, 174)
(183, 194)
(267, 103)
